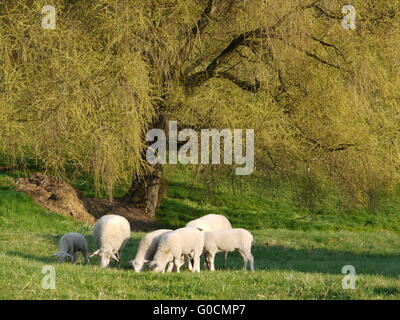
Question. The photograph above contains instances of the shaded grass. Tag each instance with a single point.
(185, 201)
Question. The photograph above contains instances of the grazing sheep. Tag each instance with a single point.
(210, 222)
(111, 233)
(172, 245)
(147, 248)
(69, 244)
(228, 240)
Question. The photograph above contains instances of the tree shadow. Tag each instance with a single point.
(128, 253)
(387, 291)
(175, 214)
(42, 259)
(266, 257)
(324, 261)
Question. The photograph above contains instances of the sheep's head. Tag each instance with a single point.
(105, 256)
(160, 260)
(62, 256)
(156, 266)
(138, 266)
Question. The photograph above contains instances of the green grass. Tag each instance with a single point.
(290, 264)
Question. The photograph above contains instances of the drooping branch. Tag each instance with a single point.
(335, 148)
(330, 45)
(318, 144)
(311, 55)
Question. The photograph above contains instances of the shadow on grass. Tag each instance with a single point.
(128, 253)
(181, 190)
(270, 258)
(324, 261)
(387, 291)
(42, 259)
(173, 213)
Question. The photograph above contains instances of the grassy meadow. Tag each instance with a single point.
(292, 261)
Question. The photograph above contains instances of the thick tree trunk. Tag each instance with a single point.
(145, 191)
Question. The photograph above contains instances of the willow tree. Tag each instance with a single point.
(81, 97)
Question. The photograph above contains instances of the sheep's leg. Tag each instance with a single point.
(85, 255)
(170, 266)
(196, 263)
(245, 260)
(250, 257)
(207, 261)
(195, 255)
(225, 259)
(177, 263)
(189, 263)
(183, 260)
(211, 259)
(118, 254)
(74, 258)
(72, 255)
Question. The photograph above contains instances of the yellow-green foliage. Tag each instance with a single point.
(82, 96)
(75, 96)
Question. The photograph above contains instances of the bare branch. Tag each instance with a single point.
(316, 143)
(242, 39)
(208, 13)
(245, 85)
(326, 13)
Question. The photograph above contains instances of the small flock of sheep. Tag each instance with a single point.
(163, 250)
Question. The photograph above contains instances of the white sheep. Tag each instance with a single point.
(172, 245)
(228, 240)
(69, 244)
(210, 222)
(111, 233)
(147, 248)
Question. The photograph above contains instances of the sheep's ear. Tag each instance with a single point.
(95, 253)
(153, 265)
(115, 257)
(200, 229)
